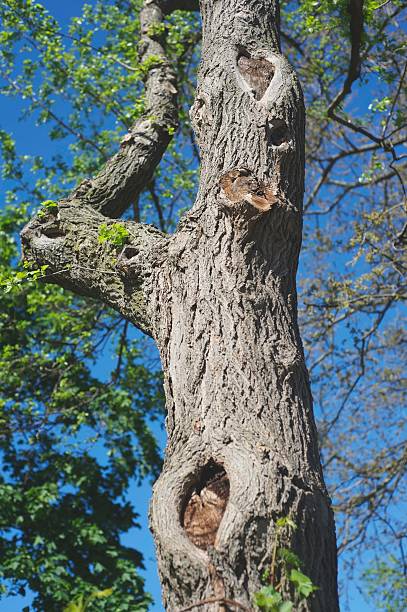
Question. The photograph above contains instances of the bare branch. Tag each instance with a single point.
(356, 31)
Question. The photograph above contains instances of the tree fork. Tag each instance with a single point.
(219, 297)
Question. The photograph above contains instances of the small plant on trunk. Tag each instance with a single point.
(285, 567)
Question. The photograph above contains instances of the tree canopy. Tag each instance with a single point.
(63, 508)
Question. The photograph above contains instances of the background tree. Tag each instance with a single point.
(361, 218)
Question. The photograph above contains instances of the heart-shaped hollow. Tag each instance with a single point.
(257, 72)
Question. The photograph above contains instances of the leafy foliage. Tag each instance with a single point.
(284, 561)
(270, 600)
(352, 285)
(84, 84)
(81, 604)
(387, 585)
(70, 444)
(73, 438)
(303, 584)
(115, 233)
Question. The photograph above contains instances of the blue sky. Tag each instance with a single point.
(33, 140)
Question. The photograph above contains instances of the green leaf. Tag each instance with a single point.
(285, 606)
(267, 599)
(77, 605)
(302, 583)
(288, 557)
(114, 233)
(49, 204)
(286, 521)
(100, 594)
(265, 577)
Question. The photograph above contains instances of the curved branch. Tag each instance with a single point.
(67, 239)
(126, 173)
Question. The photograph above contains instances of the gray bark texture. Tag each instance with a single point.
(219, 297)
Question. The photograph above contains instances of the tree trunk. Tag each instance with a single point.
(225, 317)
(219, 297)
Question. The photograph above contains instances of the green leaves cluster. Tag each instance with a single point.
(71, 443)
(386, 584)
(81, 604)
(114, 233)
(271, 598)
(46, 206)
(302, 584)
(9, 280)
(74, 416)
(86, 85)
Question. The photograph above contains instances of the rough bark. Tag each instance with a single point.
(67, 240)
(125, 175)
(219, 297)
(237, 387)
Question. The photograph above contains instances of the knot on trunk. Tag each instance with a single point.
(239, 185)
(278, 132)
(205, 505)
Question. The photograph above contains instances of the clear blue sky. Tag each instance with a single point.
(32, 140)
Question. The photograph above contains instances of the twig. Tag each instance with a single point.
(123, 343)
(294, 43)
(55, 117)
(394, 100)
(356, 31)
(157, 205)
(382, 5)
(363, 351)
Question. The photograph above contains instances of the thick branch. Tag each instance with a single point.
(126, 173)
(67, 236)
(67, 239)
